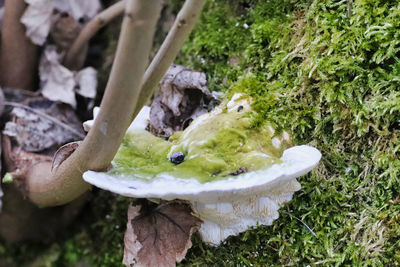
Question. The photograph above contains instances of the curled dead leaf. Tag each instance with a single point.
(63, 153)
(158, 235)
(60, 84)
(183, 96)
(57, 82)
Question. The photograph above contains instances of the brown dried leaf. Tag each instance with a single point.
(183, 96)
(58, 83)
(176, 81)
(63, 153)
(43, 125)
(158, 235)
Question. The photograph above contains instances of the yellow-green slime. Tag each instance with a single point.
(213, 149)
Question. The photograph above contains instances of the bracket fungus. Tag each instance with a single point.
(234, 176)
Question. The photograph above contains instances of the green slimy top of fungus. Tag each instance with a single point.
(215, 146)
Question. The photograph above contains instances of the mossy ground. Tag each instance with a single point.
(329, 72)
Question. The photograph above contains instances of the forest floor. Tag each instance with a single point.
(326, 71)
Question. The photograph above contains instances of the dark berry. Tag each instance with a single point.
(177, 158)
(240, 108)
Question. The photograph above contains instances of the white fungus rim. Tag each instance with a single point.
(296, 161)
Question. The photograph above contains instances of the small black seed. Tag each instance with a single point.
(240, 108)
(177, 158)
(239, 171)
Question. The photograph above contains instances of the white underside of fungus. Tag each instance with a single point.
(229, 206)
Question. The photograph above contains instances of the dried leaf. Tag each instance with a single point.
(37, 20)
(176, 81)
(183, 97)
(158, 235)
(86, 80)
(63, 153)
(78, 9)
(38, 16)
(42, 125)
(59, 83)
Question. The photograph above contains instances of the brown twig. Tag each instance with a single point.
(90, 29)
(182, 27)
(120, 98)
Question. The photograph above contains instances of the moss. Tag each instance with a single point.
(230, 144)
(328, 71)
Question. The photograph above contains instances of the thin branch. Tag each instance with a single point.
(47, 117)
(117, 107)
(90, 29)
(182, 27)
(122, 99)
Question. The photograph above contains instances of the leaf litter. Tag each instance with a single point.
(39, 15)
(158, 235)
(58, 83)
(183, 96)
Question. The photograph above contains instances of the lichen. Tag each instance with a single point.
(328, 71)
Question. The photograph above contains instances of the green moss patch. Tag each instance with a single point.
(214, 146)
